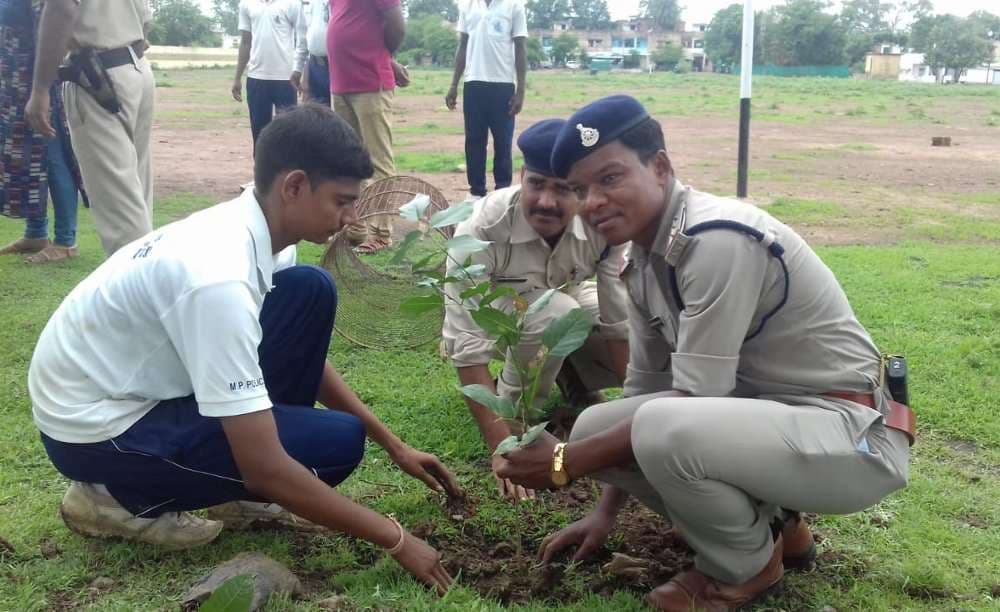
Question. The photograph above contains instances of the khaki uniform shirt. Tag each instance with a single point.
(108, 24)
(521, 259)
(728, 282)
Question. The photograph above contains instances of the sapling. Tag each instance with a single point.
(481, 298)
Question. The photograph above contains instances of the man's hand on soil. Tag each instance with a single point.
(509, 490)
(589, 534)
(429, 469)
(424, 562)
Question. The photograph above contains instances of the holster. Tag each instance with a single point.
(86, 69)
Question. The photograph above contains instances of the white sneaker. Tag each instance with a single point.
(89, 512)
(244, 514)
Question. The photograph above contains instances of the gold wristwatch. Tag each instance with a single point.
(558, 474)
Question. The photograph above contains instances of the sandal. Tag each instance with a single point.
(373, 245)
(25, 246)
(53, 252)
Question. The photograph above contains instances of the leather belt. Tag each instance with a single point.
(112, 58)
(320, 59)
(900, 416)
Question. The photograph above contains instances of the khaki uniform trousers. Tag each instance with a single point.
(368, 113)
(113, 151)
(590, 360)
(720, 469)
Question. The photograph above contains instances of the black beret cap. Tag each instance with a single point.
(592, 127)
(536, 144)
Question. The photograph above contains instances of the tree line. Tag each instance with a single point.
(797, 33)
(804, 33)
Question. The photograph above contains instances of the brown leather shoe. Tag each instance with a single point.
(799, 545)
(694, 591)
(800, 548)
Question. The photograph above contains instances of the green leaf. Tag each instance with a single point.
(235, 595)
(455, 213)
(419, 304)
(532, 434)
(496, 294)
(474, 270)
(468, 244)
(500, 406)
(568, 332)
(540, 303)
(428, 282)
(480, 289)
(494, 322)
(421, 266)
(506, 408)
(414, 209)
(404, 247)
(506, 445)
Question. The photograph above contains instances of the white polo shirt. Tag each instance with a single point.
(489, 55)
(272, 24)
(312, 32)
(171, 314)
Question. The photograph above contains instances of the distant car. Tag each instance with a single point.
(573, 64)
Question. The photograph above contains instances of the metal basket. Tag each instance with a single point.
(370, 289)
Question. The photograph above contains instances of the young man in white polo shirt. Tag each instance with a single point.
(491, 54)
(267, 53)
(312, 68)
(183, 372)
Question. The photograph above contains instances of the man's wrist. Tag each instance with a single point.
(571, 463)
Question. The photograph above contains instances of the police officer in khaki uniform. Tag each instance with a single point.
(752, 389)
(109, 106)
(538, 243)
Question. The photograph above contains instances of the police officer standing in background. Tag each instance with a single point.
(752, 388)
(538, 242)
(109, 106)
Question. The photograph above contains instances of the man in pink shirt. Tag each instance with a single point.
(360, 41)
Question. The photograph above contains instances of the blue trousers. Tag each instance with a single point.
(319, 80)
(174, 459)
(62, 188)
(485, 107)
(263, 97)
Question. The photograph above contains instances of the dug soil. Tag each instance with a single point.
(509, 570)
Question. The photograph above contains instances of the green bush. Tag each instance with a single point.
(683, 66)
(667, 56)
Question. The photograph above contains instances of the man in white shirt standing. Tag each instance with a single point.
(491, 54)
(312, 69)
(183, 372)
(267, 53)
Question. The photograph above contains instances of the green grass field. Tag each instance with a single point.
(932, 294)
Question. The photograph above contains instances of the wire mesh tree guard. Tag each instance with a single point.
(370, 287)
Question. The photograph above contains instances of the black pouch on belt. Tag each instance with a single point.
(86, 70)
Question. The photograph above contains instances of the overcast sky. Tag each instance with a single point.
(701, 11)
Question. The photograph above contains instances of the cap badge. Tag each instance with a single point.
(588, 135)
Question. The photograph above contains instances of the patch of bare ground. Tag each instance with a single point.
(509, 571)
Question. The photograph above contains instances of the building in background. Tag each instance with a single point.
(624, 38)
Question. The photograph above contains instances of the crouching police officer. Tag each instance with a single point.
(538, 243)
(752, 389)
(108, 95)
